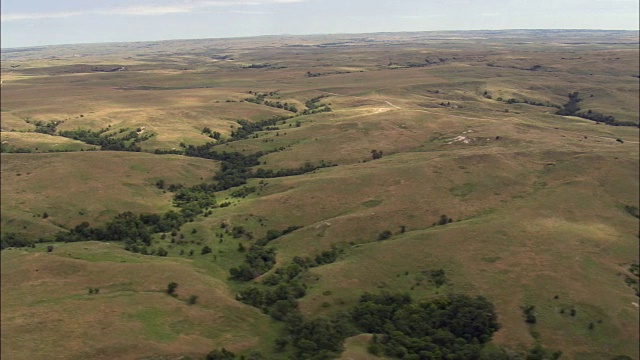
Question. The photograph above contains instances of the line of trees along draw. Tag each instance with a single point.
(571, 108)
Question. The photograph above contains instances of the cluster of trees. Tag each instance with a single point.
(126, 227)
(278, 300)
(257, 66)
(571, 108)
(284, 285)
(124, 140)
(259, 98)
(224, 354)
(530, 102)
(307, 167)
(133, 230)
(7, 148)
(221, 354)
(319, 338)
(48, 128)
(235, 169)
(243, 192)
(247, 128)
(212, 134)
(537, 352)
(607, 119)
(194, 200)
(279, 105)
(427, 62)
(258, 260)
(273, 234)
(236, 166)
(438, 277)
(315, 106)
(633, 282)
(14, 240)
(449, 327)
(277, 296)
(312, 74)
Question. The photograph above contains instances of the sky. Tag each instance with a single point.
(48, 22)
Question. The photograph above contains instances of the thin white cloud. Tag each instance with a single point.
(149, 9)
(36, 16)
(145, 10)
(433, 16)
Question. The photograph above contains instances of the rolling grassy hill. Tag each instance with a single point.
(542, 207)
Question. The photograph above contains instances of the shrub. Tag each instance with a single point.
(171, 288)
(384, 235)
(222, 354)
(528, 312)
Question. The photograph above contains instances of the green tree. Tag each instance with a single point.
(444, 219)
(530, 317)
(281, 344)
(162, 252)
(222, 354)
(192, 299)
(171, 288)
(384, 235)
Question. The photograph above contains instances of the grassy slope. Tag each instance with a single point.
(540, 208)
(43, 143)
(130, 316)
(89, 186)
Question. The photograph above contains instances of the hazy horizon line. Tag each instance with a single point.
(316, 34)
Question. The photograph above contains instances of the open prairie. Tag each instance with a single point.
(403, 152)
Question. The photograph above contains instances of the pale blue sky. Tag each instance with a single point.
(46, 22)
